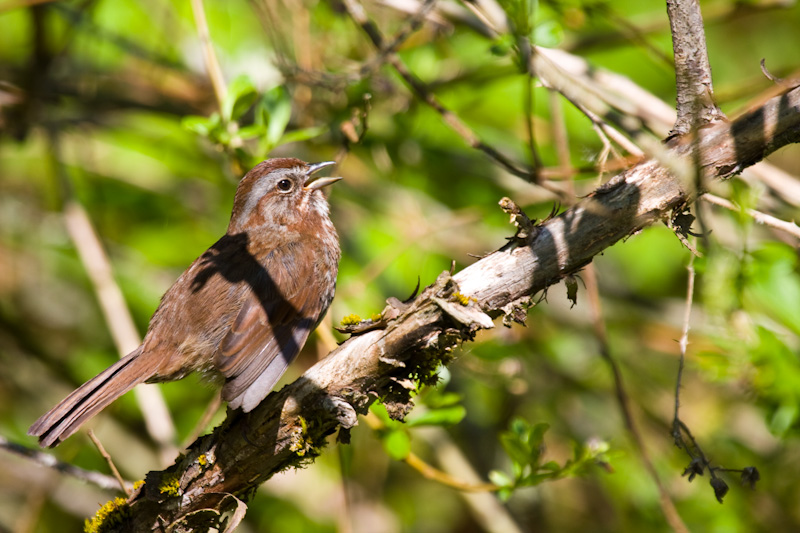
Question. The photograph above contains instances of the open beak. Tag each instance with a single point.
(313, 183)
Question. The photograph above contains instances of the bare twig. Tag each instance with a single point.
(699, 460)
(684, 342)
(357, 13)
(48, 461)
(667, 505)
(762, 218)
(695, 91)
(115, 310)
(111, 465)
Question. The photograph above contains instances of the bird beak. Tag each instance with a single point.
(312, 183)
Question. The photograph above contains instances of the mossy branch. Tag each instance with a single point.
(290, 427)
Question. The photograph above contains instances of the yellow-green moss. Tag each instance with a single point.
(301, 444)
(460, 298)
(138, 484)
(170, 485)
(375, 317)
(351, 320)
(202, 460)
(111, 514)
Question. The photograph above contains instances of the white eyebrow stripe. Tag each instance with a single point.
(261, 187)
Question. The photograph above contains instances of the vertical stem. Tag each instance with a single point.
(684, 342)
(212, 65)
(695, 91)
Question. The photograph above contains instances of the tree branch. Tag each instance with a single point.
(290, 426)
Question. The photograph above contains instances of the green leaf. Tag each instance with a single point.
(252, 131)
(548, 33)
(535, 479)
(773, 285)
(303, 134)
(516, 449)
(442, 399)
(201, 125)
(397, 444)
(446, 416)
(500, 478)
(242, 94)
(536, 434)
(379, 410)
(274, 110)
(550, 466)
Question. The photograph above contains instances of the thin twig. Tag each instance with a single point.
(48, 461)
(210, 57)
(762, 218)
(208, 414)
(667, 505)
(679, 428)
(434, 474)
(429, 471)
(684, 342)
(111, 465)
(559, 132)
(536, 162)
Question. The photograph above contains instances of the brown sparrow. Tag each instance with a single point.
(242, 310)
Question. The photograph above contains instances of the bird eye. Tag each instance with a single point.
(285, 185)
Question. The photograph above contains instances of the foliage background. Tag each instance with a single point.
(111, 85)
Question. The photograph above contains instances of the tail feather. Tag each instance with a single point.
(87, 400)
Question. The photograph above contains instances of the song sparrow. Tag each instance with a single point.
(242, 310)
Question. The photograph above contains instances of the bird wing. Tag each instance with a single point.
(281, 307)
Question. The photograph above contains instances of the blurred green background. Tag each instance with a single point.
(107, 105)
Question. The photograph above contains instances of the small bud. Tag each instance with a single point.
(750, 476)
(572, 289)
(720, 488)
(695, 468)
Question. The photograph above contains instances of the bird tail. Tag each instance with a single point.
(87, 400)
